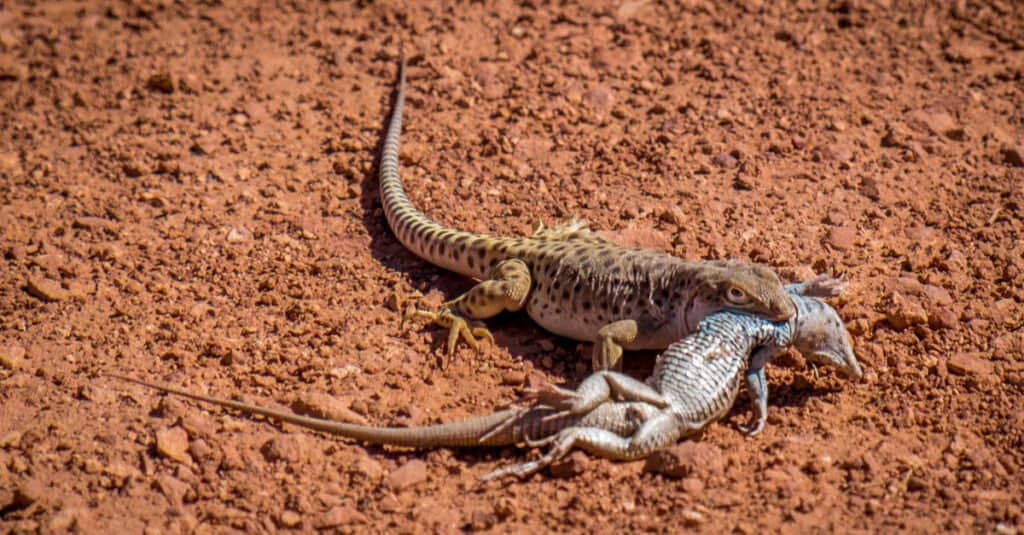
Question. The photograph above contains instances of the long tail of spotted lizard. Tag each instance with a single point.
(462, 252)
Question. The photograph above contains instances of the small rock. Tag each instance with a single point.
(45, 289)
(27, 493)
(967, 51)
(163, 81)
(905, 312)
(599, 97)
(64, 520)
(939, 123)
(1013, 155)
(173, 444)
(692, 518)
(12, 70)
(970, 364)
(172, 488)
(93, 223)
(12, 356)
(513, 378)
(407, 475)
(239, 235)
(841, 238)
(725, 160)
(368, 468)
(570, 466)
(635, 236)
(693, 486)
(837, 152)
(289, 519)
(341, 515)
(684, 459)
(1009, 347)
(916, 484)
(943, 319)
(675, 215)
(283, 448)
(135, 168)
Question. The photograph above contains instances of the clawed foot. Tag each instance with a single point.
(458, 328)
(754, 426)
(562, 447)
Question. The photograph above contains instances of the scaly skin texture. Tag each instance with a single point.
(570, 281)
(695, 382)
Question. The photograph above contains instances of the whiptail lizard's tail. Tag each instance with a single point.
(570, 281)
(695, 382)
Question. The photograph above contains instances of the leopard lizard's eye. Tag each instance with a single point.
(736, 296)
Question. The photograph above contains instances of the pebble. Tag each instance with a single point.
(905, 312)
(368, 468)
(408, 475)
(513, 378)
(163, 81)
(725, 160)
(340, 515)
(837, 152)
(570, 466)
(239, 235)
(685, 459)
(45, 289)
(12, 70)
(27, 493)
(970, 364)
(1013, 155)
(173, 444)
(841, 238)
(289, 519)
(283, 448)
(12, 357)
(692, 518)
(599, 97)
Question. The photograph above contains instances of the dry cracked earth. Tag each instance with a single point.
(189, 196)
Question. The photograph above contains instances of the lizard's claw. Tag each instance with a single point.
(458, 328)
(552, 396)
(754, 426)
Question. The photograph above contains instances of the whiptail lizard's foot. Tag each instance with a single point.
(458, 328)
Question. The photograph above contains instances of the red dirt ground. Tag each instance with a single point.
(189, 195)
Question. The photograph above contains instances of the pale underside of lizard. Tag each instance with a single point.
(570, 281)
(695, 382)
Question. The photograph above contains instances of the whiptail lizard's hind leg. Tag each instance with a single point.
(505, 289)
(596, 389)
(656, 432)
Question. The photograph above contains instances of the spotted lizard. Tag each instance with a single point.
(570, 281)
(695, 382)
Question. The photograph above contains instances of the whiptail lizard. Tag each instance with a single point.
(570, 281)
(695, 382)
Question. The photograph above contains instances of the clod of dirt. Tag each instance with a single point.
(27, 493)
(45, 289)
(684, 459)
(407, 475)
(841, 238)
(12, 356)
(970, 364)
(572, 465)
(163, 81)
(341, 515)
(173, 443)
(1013, 155)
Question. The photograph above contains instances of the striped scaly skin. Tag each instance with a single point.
(570, 281)
(695, 382)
